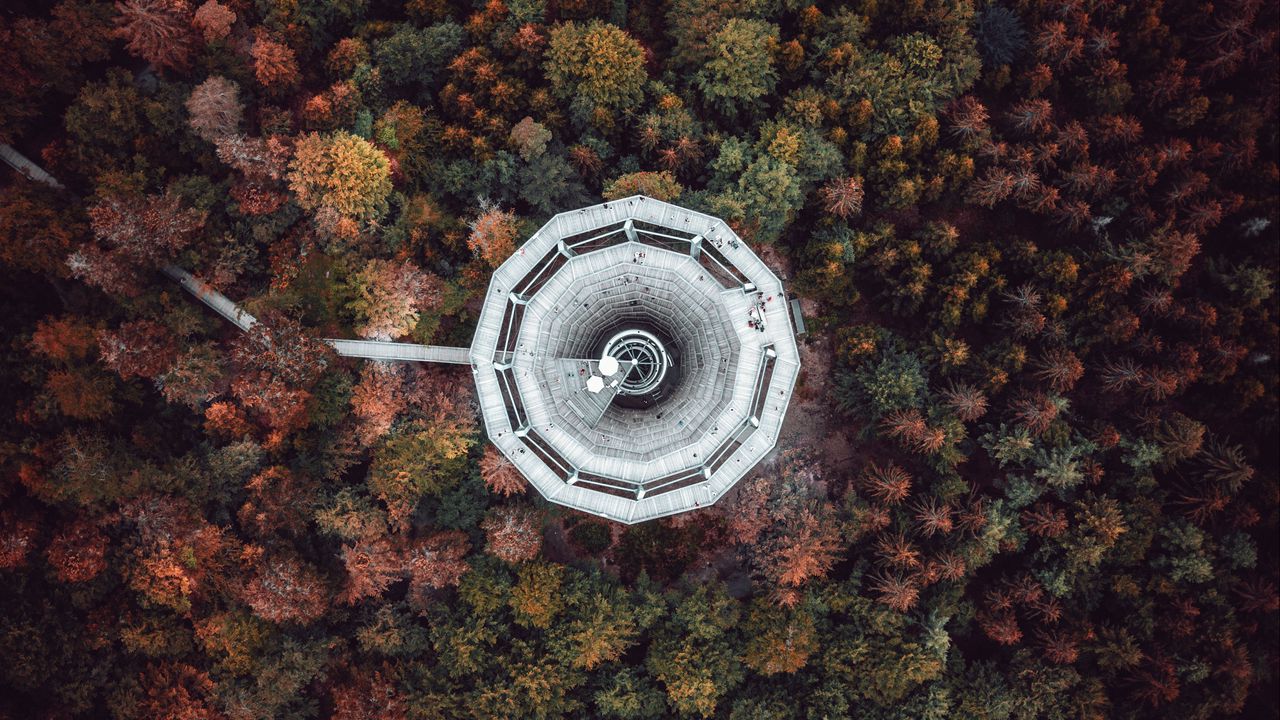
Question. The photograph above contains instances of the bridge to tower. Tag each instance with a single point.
(633, 359)
(369, 349)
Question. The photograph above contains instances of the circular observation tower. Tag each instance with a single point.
(634, 359)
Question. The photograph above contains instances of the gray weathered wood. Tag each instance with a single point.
(19, 162)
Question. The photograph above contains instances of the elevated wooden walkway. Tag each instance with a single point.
(369, 349)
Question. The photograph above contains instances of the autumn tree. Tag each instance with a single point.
(66, 340)
(513, 533)
(140, 348)
(888, 484)
(274, 64)
(779, 640)
(377, 399)
(17, 538)
(134, 234)
(493, 233)
(78, 553)
(967, 402)
(214, 21)
(368, 695)
(425, 458)
(693, 653)
(435, 562)
(372, 566)
(80, 393)
(501, 475)
(171, 689)
(284, 589)
(35, 233)
(895, 590)
(657, 185)
(536, 597)
(842, 197)
(341, 178)
(179, 558)
(277, 364)
(214, 108)
(1060, 368)
(600, 622)
(278, 500)
(530, 138)
(279, 346)
(598, 68)
(388, 298)
(788, 528)
(158, 31)
(195, 377)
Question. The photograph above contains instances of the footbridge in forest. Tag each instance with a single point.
(633, 359)
(369, 349)
(236, 315)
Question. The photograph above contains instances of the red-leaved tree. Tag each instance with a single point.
(134, 234)
(78, 552)
(286, 589)
(500, 475)
(158, 31)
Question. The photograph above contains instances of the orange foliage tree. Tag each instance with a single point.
(493, 234)
(17, 538)
(171, 689)
(789, 527)
(64, 339)
(842, 197)
(274, 64)
(377, 399)
(80, 393)
(368, 695)
(37, 230)
(435, 562)
(158, 31)
(342, 178)
(390, 296)
(660, 185)
(214, 21)
(179, 558)
(372, 565)
(140, 348)
(279, 499)
(277, 365)
(500, 474)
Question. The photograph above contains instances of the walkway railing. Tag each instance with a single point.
(404, 352)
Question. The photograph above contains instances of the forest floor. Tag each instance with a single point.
(810, 421)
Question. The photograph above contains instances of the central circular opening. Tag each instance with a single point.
(646, 355)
